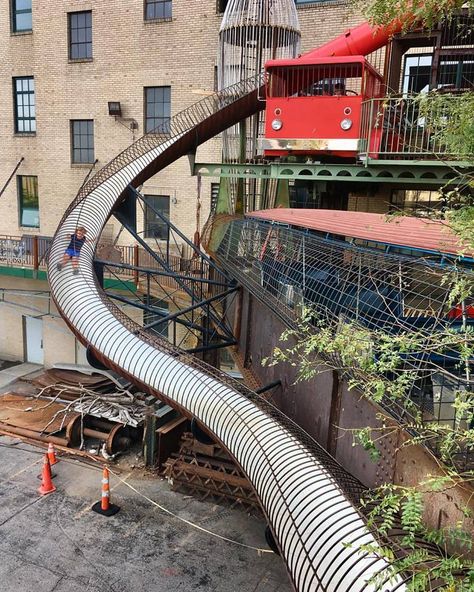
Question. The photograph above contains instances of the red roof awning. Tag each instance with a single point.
(403, 231)
(305, 61)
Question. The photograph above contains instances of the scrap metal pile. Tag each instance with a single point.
(95, 395)
(70, 409)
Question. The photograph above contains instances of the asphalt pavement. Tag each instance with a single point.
(55, 543)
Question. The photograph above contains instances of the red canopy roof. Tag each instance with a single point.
(404, 231)
(319, 61)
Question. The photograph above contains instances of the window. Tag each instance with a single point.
(82, 141)
(416, 73)
(80, 35)
(151, 317)
(157, 10)
(415, 201)
(154, 226)
(221, 5)
(21, 16)
(157, 108)
(454, 72)
(214, 196)
(28, 201)
(24, 103)
(228, 365)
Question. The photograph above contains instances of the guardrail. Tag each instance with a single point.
(31, 251)
(408, 127)
(24, 251)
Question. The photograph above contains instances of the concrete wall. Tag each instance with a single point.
(20, 297)
(59, 344)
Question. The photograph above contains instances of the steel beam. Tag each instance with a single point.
(174, 318)
(215, 317)
(199, 304)
(160, 272)
(401, 172)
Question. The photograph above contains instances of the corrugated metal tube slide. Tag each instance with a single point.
(318, 529)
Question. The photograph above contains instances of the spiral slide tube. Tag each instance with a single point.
(318, 530)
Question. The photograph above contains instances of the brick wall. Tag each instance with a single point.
(322, 21)
(128, 54)
(375, 200)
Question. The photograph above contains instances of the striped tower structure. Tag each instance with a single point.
(252, 32)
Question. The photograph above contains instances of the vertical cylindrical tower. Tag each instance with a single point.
(252, 32)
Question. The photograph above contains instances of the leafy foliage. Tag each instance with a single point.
(410, 12)
(374, 363)
(451, 118)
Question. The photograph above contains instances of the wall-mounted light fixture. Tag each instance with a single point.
(115, 109)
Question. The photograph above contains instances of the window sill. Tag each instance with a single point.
(80, 60)
(153, 133)
(158, 20)
(24, 135)
(21, 33)
(82, 165)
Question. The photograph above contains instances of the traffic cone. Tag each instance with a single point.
(104, 507)
(52, 454)
(46, 481)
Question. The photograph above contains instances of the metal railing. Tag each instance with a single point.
(405, 127)
(24, 251)
(127, 261)
(30, 251)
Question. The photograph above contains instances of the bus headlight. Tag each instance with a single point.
(346, 124)
(277, 124)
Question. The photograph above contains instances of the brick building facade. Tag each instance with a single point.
(128, 55)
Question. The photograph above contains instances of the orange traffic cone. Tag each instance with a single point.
(104, 507)
(52, 454)
(46, 482)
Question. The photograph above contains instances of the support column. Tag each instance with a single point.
(149, 438)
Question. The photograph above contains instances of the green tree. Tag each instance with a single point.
(373, 362)
(426, 13)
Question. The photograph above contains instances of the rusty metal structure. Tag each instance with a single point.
(308, 499)
(207, 471)
(376, 288)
